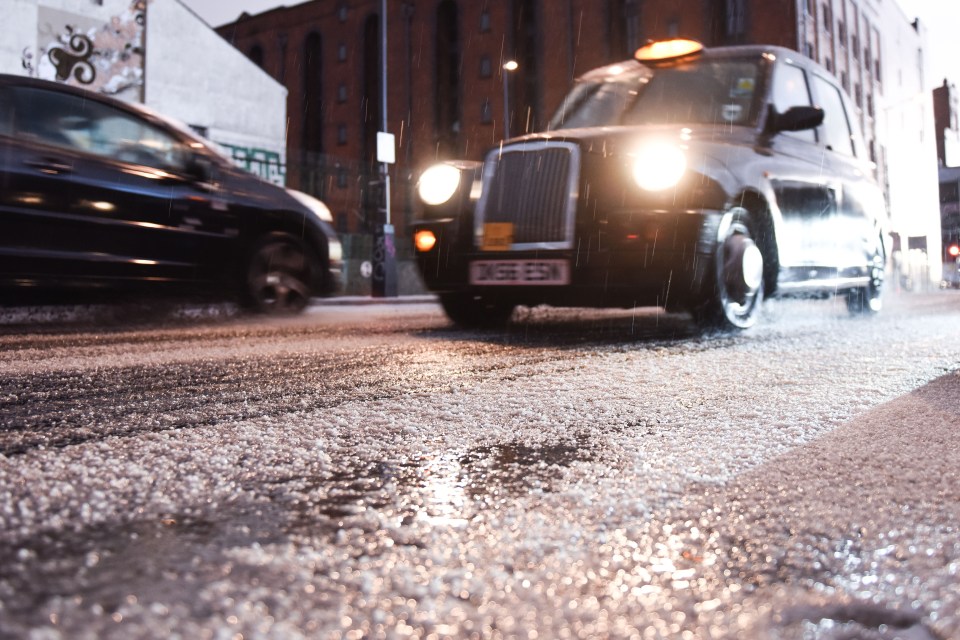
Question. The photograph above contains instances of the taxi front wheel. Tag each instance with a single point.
(866, 301)
(735, 288)
(475, 311)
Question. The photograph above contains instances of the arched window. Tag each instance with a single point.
(447, 81)
(312, 94)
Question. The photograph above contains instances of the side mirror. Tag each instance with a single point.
(794, 119)
(199, 168)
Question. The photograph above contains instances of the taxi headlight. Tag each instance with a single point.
(438, 184)
(659, 166)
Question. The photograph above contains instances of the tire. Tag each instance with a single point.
(735, 292)
(474, 311)
(278, 276)
(867, 301)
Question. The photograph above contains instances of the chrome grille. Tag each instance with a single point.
(534, 187)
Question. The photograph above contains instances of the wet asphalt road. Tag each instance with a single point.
(371, 472)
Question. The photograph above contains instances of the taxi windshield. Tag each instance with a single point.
(703, 91)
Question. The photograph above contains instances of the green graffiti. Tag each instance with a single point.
(261, 162)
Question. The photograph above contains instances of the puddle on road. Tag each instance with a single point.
(443, 488)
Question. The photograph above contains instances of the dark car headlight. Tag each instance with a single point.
(321, 211)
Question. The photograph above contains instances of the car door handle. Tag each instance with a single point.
(49, 166)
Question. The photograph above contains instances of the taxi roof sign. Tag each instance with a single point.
(668, 50)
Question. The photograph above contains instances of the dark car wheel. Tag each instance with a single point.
(278, 277)
(737, 276)
(866, 301)
(468, 310)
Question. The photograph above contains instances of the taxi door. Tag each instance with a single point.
(807, 192)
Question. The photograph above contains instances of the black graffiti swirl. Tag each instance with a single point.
(76, 61)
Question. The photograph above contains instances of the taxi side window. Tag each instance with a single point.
(71, 122)
(790, 90)
(835, 129)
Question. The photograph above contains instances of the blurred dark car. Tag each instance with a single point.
(98, 195)
(692, 179)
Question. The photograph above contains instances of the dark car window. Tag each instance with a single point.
(790, 90)
(72, 122)
(6, 113)
(721, 91)
(837, 134)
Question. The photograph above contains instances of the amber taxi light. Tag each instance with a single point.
(668, 50)
(424, 240)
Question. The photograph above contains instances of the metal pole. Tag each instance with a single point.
(384, 280)
(506, 69)
(385, 168)
(506, 105)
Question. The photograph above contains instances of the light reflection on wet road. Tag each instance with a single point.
(371, 472)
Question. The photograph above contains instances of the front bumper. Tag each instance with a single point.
(630, 259)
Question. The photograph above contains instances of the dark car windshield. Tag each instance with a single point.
(704, 91)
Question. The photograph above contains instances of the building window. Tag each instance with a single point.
(855, 47)
(342, 93)
(857, 94)
(341, 177)
(256, 55)
(312, 94)
(486, 112)
(844, 81)
(841, 33)
(486, 67)
(485, 21)
(809, 7)
(447, 81)
(342, 12)
(342, 52)
(827, 17)
(341, 134)
(828, 63)
(623, 28)
(282, 47)
(673, 27)
(808, 50)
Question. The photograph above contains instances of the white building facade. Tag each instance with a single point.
(158, 53)
(877, 53)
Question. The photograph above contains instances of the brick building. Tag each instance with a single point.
(446, 90)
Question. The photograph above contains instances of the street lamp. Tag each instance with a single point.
(508, 67)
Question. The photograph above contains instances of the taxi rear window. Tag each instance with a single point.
(718, 91)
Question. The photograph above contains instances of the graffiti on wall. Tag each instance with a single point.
(266, 164)
(101, 56)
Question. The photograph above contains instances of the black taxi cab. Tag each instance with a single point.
(689, 178)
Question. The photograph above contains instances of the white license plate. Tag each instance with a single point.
(520, 272)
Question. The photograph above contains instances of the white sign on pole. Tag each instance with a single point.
(386, 148)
